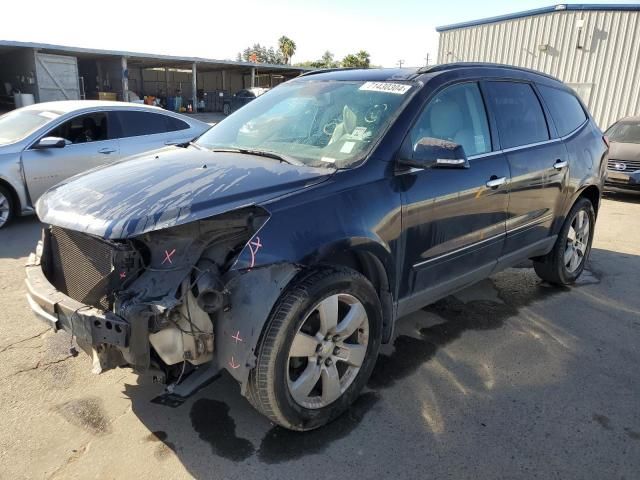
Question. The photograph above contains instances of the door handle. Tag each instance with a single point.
(560, 164)
(106, 150)
(495, 182)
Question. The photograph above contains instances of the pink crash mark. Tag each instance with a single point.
(254, 246)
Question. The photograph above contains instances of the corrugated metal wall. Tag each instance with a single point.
(605, 71)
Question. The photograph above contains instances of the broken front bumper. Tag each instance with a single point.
(86, 323)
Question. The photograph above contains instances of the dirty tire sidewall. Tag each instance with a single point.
(12, 207)
(270, 390)
(551, 267)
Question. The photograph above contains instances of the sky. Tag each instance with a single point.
(390, 30)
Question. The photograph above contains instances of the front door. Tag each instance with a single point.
(89, 145)
(538, 163)
(454, 222)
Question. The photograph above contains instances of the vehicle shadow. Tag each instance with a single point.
(19, 238)
(622, 197)
(409, 399)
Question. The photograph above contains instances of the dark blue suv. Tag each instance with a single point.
(283, 244)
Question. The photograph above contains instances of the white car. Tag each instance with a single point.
(45, 143)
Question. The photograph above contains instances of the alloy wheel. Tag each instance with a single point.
(577, 241)
(328, 351)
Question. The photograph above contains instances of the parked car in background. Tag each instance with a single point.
(45, 143)
(624, 155)
(241, 98)
(285, 242)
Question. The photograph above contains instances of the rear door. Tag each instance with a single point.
(537, 161)
(89, 145)
(454, 221)
(140, 131)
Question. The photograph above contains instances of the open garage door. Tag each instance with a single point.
(57, 77)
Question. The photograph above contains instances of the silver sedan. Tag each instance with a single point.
(45, 143)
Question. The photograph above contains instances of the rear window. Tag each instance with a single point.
(625, 132)
(566, 111)
(518, 112)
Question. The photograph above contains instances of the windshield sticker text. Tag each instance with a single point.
(397, 88)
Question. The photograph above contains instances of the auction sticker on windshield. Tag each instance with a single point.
(397, 88)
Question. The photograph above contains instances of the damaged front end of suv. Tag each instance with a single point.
(153, 277)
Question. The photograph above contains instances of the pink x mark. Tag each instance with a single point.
(167, 256)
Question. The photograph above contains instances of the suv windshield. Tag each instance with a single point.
(18, 124)
(319, 123)
(625, 132)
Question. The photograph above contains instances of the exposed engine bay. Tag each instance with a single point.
(163, 293)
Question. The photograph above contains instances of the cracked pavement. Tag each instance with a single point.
(508, 379)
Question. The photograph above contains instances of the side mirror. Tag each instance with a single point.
(50, 142)
(434, 153)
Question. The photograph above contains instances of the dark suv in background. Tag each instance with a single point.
(285, 242)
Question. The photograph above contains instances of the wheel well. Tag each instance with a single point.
(14, 195)
(592, 193)
(372, 268)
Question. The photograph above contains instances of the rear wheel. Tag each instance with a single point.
(318, 349)
(564, 264)
(7, 208)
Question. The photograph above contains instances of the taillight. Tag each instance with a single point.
(606, 140)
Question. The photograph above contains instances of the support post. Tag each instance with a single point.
(125, 79)
(166, 83)
(253, 77)
(224, 79)
(194, 87)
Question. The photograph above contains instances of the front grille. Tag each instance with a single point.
(629, 165)
(80, 266)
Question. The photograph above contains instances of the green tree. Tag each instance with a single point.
(259, 54)
(358, 60)
(326, 61)
(287, 48)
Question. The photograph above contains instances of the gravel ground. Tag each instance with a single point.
(509, 379)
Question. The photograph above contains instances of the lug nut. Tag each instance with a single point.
(329, 362)
(336, 338)
(318, 347)
(336, 350)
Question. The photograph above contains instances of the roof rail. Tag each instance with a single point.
(326, 70)
(452, 66)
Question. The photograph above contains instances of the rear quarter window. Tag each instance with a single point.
(566, 111)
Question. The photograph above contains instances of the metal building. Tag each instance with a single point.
(56, 72)
(595, 49)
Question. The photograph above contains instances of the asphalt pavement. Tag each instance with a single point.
(511, 378)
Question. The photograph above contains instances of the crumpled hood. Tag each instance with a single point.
(169, 187)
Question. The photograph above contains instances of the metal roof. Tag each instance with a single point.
(145, 58)
(540, 11)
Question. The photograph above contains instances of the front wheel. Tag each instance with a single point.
(318, 350)
(6, 206)
(564, 264)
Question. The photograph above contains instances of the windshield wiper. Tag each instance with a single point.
(260, 153)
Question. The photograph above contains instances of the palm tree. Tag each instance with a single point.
(287, 47)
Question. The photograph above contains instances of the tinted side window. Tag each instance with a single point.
(173, 124)
(133, 124)
(566, 111)
(456, 114)
(518, 113)
(91, 127)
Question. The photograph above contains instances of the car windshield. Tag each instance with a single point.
(625, 132)
(317, 123)
(18, 124)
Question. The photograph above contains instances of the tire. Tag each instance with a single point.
(277, 383)
(7, 206)
(554, 267)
